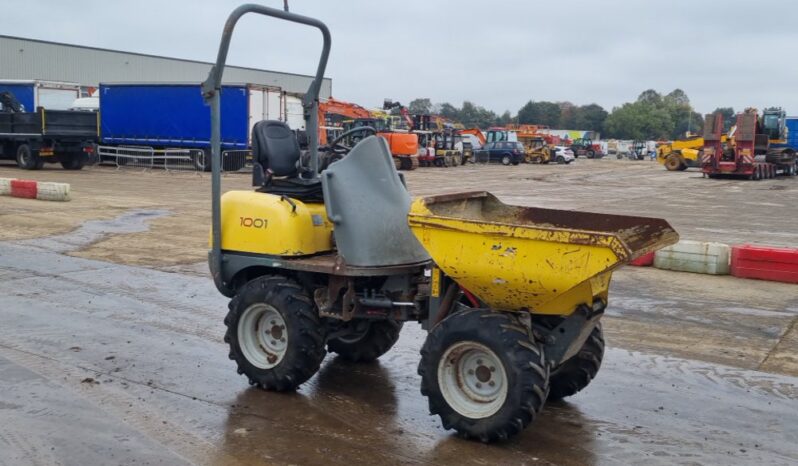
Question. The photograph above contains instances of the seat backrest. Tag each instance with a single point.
(368, 204)
(274, 147)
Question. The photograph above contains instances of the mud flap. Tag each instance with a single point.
(566, 339)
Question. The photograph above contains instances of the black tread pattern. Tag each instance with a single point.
(306, 336)
(524, 362)
(576, 373)
(380, 337)
(73, 162)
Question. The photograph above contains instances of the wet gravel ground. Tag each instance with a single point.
(105, 363)
(110, 362)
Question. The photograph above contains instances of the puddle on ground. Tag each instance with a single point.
(134, 221)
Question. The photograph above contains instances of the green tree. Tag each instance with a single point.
(504, 119)
(568, 115)
(639, 120)
(470, 114)
(590, 117)
(650, 96)
(447, 110)
(729, 117)
(540, 113)
(677, 97)
(420, 106)
(653, 116)
(684, 118)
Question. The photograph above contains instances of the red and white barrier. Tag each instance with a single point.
(643, 261)
(30, 189)
(5, 186)
(765, 263)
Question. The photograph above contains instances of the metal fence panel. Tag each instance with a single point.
(147, 158)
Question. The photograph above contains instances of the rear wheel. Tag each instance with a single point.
(27, 159)
(576, 373)
(368, 340)
(274, 333)
(590, 154)
(73, 161)
(482, 375)
(560, 159)
(506, 159)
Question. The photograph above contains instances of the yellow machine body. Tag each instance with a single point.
(261, 223)
(682, 152)
(522, 258)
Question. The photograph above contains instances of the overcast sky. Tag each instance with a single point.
(498, 54)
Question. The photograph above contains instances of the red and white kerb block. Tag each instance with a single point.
(30, 189)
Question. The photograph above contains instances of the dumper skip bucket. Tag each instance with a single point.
(526, 258)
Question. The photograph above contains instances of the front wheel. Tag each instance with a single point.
(560, 159)
(483, 375)
(576, 373)
(274, 333)
(673, 163)
(506, 159)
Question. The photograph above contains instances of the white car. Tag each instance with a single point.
(563, 154)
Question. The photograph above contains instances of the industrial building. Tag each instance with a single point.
(23, 58)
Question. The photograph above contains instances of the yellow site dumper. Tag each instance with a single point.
(329, 253)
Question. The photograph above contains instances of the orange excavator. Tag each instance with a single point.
(337, 116)
(402, 142)
(330, 114)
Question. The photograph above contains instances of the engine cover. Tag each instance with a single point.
(261, 223)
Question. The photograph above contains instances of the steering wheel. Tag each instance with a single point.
(336, 143)
(335, 150)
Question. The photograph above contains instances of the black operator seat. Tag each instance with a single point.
(276, 163)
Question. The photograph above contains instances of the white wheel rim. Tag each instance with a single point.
(262, 336)
(472, 380)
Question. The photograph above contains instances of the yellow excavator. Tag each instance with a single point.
(329, 252)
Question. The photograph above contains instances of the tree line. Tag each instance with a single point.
(651, 116)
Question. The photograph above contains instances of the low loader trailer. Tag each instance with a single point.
(748, 152)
